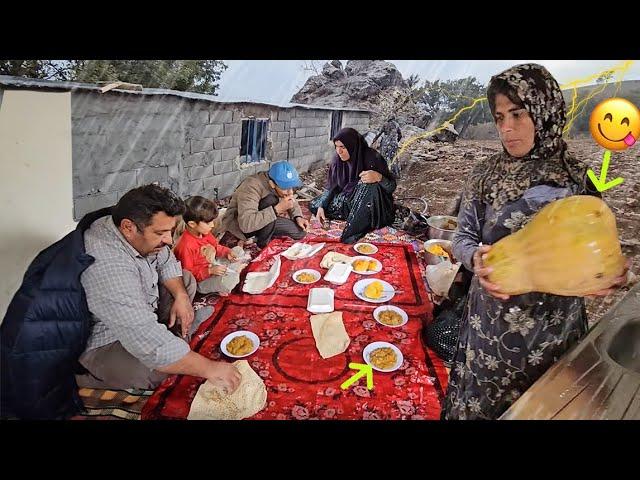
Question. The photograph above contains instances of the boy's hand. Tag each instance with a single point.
(218, 270)
(208, 252)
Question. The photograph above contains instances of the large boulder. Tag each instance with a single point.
(383, 74)
(333, 70)
(358, 84)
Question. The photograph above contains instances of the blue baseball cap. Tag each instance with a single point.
(284, 175)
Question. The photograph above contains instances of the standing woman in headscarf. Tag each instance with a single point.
(360, 188)
(507, 343)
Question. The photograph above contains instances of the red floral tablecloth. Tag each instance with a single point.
(302, 385)
(400, 269)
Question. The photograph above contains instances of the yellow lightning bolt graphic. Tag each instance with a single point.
(574, 110)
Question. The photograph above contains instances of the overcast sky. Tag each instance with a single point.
(275, 81)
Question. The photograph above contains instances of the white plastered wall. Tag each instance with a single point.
(36, 197)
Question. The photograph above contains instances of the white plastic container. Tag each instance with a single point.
(339, 273)
(320, 300)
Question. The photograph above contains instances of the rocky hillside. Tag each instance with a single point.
(357, 84)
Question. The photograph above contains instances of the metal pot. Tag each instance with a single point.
(436, 227)
(432, 259)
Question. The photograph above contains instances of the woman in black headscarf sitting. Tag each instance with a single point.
(359, 189)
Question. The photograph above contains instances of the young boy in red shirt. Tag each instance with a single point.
(214, 266)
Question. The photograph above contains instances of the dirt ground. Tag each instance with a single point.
(437, 171)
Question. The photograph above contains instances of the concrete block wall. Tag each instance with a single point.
(310, 144)
(120, 141)
(357, 120)
(279, 134)
(123, 140)
(212, 149)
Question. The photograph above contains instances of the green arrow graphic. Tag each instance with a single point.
(364, 370)
(601, 183)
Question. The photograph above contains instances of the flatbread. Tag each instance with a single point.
(258, 282)
(329, 333)
(334, 257)
(212, 403)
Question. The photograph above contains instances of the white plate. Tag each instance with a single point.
(360, 285)
(382, 308)
(252, 336)
(313, 272)
(378, 268)
(358, 245)
(374, 346)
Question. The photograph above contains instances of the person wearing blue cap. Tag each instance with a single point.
(263, 206)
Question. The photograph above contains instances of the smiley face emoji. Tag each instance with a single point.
(615, 124)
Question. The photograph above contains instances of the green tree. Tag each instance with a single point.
(42, 69)
(413, 80)
(441, 100)
(200, 76)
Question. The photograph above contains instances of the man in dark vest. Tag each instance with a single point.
(99, 303)
(136, 289)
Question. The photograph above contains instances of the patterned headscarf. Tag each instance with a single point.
(503, 178)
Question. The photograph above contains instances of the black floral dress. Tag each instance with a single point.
(505, 346)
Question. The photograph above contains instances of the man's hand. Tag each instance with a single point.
(181, 310)
(284, 205)
(218, 270)
(231, 257)
(483, 273)
(370, 176)
(224, 375)
(303, 223)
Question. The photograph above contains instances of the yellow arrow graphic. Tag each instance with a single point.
(601, 183)
(364, 370)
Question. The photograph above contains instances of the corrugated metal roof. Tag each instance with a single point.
(34, 83)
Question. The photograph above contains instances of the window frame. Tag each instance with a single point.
(336, 118)
(254, 140)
